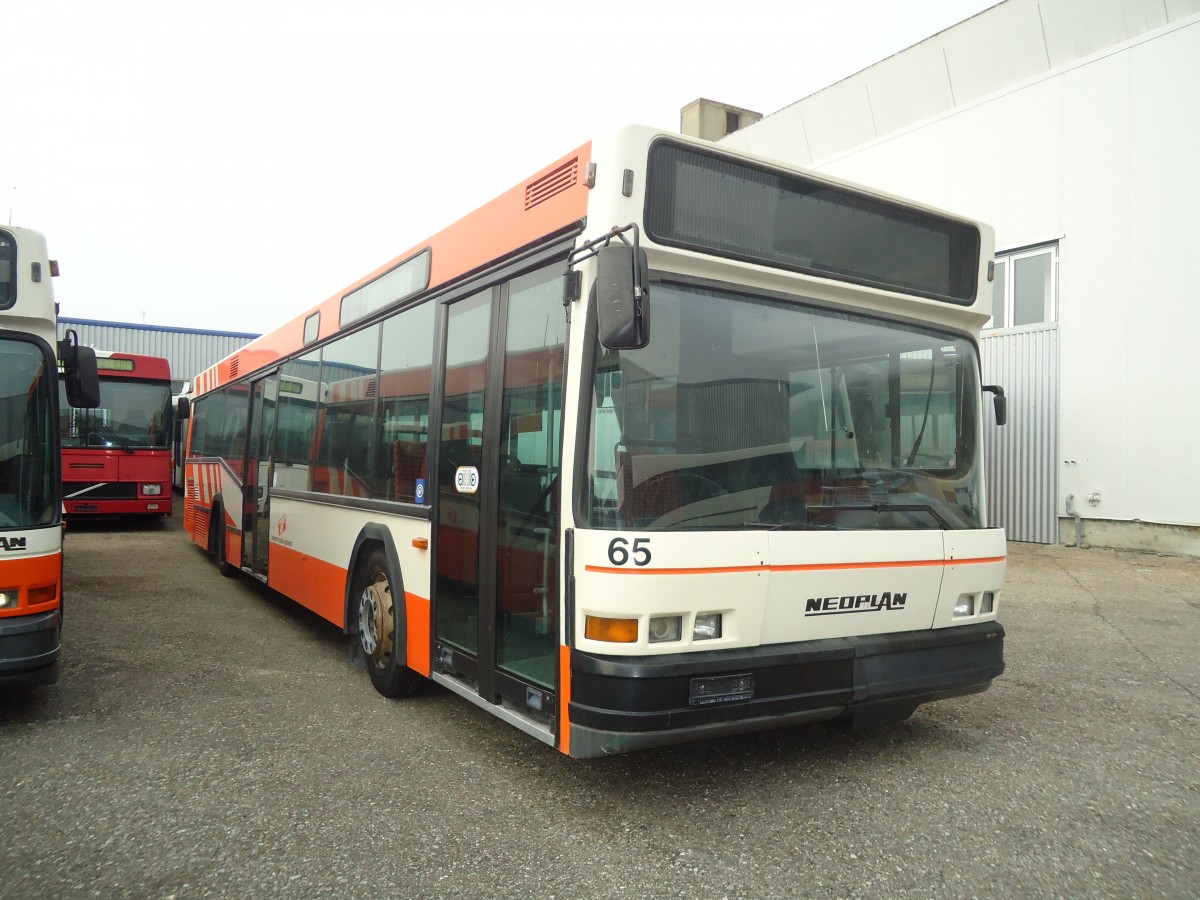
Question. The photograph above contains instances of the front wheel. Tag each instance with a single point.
(216, 527)
(376, 617)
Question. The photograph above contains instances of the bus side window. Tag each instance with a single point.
(405, 378)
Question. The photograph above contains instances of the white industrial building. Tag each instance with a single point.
(1073, 127)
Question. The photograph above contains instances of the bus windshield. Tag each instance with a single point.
(28, 453)
(748, 412)
(131, 415)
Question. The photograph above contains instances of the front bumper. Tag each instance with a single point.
(620, 704)
(29, 648)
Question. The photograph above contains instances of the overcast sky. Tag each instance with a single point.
(227, 164)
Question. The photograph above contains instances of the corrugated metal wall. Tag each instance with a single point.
(189, 352)
(1022, 456)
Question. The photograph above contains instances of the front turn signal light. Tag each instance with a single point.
(614, 631)
(46, 593)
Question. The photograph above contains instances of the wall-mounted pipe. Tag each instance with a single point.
(1078, 521)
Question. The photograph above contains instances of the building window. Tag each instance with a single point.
(1025, 287)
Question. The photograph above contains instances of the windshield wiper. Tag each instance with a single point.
(888, 506)
(118, 440)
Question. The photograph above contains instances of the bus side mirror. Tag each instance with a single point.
(622, 300)
(183, 409)
(80, 375)
(999, 401)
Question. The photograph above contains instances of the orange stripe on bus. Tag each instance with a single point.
(807, 567)
(564, 699)
(311, 582)
(32, 572)
(416, 608)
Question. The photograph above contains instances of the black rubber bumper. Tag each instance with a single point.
(619, 704)
(29, 648)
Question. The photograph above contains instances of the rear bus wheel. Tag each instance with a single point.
(375, 612)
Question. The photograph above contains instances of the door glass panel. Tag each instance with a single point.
(468, 329)
(1031, 289)
(530, 457)
(265, 415)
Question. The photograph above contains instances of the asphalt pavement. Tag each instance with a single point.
(210, 739)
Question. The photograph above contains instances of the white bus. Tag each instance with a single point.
(31, 499)
(667, 442)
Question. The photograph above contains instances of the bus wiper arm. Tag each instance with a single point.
(888, 506)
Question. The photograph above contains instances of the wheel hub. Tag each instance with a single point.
(374, 619)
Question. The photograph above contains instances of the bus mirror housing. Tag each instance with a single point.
(999, 401)
(183, 409)
(622, 300)
(81, 378)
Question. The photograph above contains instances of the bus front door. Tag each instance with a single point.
(496, 584)
(257, 497)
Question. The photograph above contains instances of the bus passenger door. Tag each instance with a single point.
(257, 490)
(496, 584)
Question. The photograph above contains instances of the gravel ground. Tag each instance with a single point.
(209, 739)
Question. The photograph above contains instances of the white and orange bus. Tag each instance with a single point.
(31, 533)
(762, 504)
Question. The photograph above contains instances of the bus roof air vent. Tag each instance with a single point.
(233, 366)
(552, 183)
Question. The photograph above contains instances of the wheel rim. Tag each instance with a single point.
(375, 625)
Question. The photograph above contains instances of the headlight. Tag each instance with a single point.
(151, 490)
(665, 628)
(707, 627)
(9, 598)
(965, 606)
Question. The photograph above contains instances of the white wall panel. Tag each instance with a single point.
(1078, 28)
(1164, 244)
(1181, 9)
(838, 117)
(999, 47)
(1094, 287)
(976, 161)
(909, 86)
(1031, 137)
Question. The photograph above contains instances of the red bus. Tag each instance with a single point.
(117, 457)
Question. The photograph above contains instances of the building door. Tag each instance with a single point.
(1020, 352)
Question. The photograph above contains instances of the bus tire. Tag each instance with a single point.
(374, 610)
(217, 521)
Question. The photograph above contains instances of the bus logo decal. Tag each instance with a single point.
(16, 543)
(854, 603)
